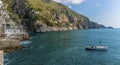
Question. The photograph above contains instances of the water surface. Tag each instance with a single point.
(67, 48)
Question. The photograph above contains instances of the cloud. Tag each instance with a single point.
(70, 1)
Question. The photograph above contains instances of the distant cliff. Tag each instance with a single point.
(46, 15)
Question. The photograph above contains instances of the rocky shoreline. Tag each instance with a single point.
(49, 29)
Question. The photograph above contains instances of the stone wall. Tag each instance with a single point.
(1, 57)
(10, 44)
(0, 32)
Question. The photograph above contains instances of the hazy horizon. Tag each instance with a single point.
(106, 12)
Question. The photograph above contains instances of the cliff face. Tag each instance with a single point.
(47, 15)
(4, 17)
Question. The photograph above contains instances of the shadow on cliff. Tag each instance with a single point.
(26, 14)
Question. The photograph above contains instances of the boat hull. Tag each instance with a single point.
(97, 48)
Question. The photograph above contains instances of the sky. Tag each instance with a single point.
(106, 12)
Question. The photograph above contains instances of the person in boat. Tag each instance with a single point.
(92, 46)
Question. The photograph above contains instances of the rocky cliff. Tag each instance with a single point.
(46, 15)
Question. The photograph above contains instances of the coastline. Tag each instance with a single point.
(45, 28)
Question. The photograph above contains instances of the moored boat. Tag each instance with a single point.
(96, 47)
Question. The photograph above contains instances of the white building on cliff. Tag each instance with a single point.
(9, 28)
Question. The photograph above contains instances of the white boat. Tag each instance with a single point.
(96, 47)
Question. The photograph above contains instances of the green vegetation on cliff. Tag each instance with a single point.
(37, 13)
(8, 7)
(54, 12)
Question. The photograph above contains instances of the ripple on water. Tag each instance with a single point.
(51, 49)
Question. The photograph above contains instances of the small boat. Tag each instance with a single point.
(96, 47)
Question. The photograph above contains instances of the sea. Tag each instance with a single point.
(68, 48)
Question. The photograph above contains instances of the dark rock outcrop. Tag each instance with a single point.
(25, 13)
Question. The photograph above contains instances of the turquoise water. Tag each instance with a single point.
(51, 49)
